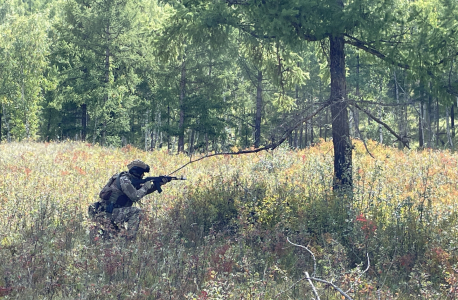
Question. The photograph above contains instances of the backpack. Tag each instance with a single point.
(112, 195)
(107, 190)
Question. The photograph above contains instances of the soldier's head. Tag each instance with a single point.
(138, 168)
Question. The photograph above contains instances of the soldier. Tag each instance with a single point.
(114, 207)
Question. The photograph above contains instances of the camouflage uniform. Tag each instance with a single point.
(123, 211)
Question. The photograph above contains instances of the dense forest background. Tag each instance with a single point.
(213, 75)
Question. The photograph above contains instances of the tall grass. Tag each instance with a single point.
(222, 233)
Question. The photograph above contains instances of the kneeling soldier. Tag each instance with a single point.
(114, 207)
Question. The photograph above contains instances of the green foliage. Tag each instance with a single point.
(23, 50)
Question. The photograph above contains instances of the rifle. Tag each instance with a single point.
(160, 179)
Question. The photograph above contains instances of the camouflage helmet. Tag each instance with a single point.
(138, 163)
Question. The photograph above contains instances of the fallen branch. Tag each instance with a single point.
(333, 285)
(361, 274)
(311, 253)
(307, 276)
(313, 287)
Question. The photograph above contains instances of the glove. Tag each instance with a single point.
(147, 185)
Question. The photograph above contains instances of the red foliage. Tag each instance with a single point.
(4, 291)
(367, 226)
(203, 295)
(220, 262)
(127, 148)
(81, 171)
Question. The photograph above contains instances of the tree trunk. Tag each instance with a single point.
(326, 121)
(449, 135)
(301, 138)
(148, 133)
(306, 135)
(380, 129)
(107, 82)
(400, 112)
(257, 121)
(452, 119)
(191, 142)
(421, 135)
(437, 124)
(429, 142)
(83, 122)
(311, 132)
(26, 117)
(356, 111)
(182, 96)
(7, 124)
(340, 128)
(168, 128)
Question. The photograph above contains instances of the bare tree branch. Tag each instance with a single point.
(384, 104)
(401, 139)
(363, 46)
(273, 145)
(362, 139)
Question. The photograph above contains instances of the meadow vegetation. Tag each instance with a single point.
(222, 234)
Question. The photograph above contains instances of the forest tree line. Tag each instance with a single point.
(198, 76)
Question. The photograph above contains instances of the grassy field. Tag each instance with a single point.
(222, 234)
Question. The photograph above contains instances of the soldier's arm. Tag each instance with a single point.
(131, 191)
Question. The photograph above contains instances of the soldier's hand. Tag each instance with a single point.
(148, 185)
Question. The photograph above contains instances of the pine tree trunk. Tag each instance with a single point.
(306, 135)
(311, 132)
(182, 96)
(437, 124)
(380, 129)
(355, 111)
(168, 127)
(7, 124)
(191, 142)
(326, 121)
(257, 122)
(340, 128)
(452, 119)
(421, 136)
(83, 122)
(449, 135)
(107, 82)
(148, 133)
(400, 112)
(429, 142)
(301, 138)
(26, 118)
